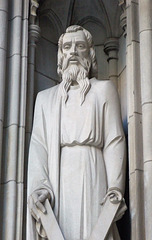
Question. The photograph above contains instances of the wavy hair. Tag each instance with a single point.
(75, 28)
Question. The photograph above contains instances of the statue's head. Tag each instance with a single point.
(76, 60)
(75, 47)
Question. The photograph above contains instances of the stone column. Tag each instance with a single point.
(34, 34)
(14, 122)
(145, 16)
(134, 122)
(3, 52)
(111, 48)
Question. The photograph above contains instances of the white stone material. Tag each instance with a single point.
(145, 8)
(136, 205)
(134, 122)
(9, 221)
(3, 49)
(77, 150)
(13, 90)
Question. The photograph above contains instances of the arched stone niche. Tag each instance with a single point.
(102, 19)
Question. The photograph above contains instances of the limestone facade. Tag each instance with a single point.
(122, 32)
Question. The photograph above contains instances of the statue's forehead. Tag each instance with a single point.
(76, 36)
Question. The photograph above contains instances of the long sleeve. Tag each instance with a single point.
(38, 176)
(114, 141)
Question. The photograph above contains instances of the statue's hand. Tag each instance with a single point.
(115, 197)
(36, 201)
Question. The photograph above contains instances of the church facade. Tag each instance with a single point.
(29, 33)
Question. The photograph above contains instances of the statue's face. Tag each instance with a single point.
(75, 44)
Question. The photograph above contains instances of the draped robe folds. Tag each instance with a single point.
(77, 153)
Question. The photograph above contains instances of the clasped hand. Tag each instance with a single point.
(115, 196)
(36, 202)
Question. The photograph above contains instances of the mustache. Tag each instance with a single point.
(86, 63)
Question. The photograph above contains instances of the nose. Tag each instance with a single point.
(73, 50)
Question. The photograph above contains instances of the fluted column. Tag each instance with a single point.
(145, 16)
(14, 124)
(3, 52)
(111, 48)
(134, 122)
(34, 34)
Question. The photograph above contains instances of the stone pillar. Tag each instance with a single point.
(145, 16)
(14, 122)
(134, 122)
(111, 48)
(34, 34)
(3, 52)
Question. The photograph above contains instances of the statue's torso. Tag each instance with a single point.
(83, 178)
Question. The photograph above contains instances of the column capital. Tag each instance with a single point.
(34, 34)
(111, 48)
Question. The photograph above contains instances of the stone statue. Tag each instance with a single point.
(77, 150)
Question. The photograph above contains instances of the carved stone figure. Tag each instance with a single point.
(77, 150)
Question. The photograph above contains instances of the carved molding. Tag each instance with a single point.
(111, 48)
(123, 17)
(123, 23)
(34, 7)
(34, 34)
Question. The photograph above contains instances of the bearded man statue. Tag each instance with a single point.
(77, 149)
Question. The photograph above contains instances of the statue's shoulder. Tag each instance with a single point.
(103, 86)
(47, 93)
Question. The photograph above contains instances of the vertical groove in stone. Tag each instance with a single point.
(34, 32)
(15, 98)
(3, 51)
(134, 121)
(145, 10)
(21, 142)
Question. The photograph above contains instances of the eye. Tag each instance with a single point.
(81, 46)
(67, 46)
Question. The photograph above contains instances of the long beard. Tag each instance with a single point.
(77, 73)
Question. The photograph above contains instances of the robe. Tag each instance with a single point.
(77, 153)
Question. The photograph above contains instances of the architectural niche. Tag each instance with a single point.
(122, 32)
